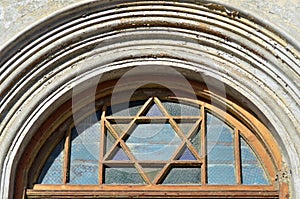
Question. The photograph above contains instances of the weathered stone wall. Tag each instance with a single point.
(15, 15)
(275, 83)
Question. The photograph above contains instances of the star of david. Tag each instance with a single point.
(154, 141)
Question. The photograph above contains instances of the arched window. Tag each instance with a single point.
(155, 147)
(156, 143)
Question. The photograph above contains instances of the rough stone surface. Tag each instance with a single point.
(282, 15)
(15, 15)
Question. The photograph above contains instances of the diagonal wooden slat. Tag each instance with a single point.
(129, 128)
(176, 128)
(116, 136)
(127, 132)
(136, 164)
(128, 153)
(180, 148)
(194, 130)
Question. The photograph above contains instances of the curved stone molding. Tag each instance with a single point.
(39, 68)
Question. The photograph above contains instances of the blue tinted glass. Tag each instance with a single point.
(180, 109)
(221, 155)
(154, 111)
(52, 172)
(153, 142)
(185, 127)
(152, 171)
(196, 141)
(120, 128)
(220, 152)
(218, 130)
(120, 154)
(110, 140)
(187, 155)
(221, 174)
(84, 154)
(181, 175)
(252, 171)
(122, 175)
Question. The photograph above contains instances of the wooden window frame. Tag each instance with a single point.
(153, 189)
(254, 133)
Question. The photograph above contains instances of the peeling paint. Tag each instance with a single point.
(222, 8)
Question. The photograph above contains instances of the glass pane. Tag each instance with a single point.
(181, 175)
(196, 140)
(153, 142)
(110, 140)
(187, 155)
(154, 111)
(179, 109)
(120, 128)
(152, 171)
(85, 148)
(252, 171)
(221, 174)
(120, 154)
(220, 152)
(221, 155)
(122, 175)
(185, 127)
(52, 172)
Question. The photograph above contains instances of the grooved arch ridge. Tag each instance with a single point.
(39, 68)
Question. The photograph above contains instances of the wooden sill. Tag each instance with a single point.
(145, 191)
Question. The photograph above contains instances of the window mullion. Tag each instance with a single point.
(203, 149)
(66, 165)
(102, 146)
(237, 154)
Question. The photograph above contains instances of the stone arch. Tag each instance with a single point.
(42, 65)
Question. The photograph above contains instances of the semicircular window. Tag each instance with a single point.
(154, 144)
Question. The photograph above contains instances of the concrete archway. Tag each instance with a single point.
(40, 68)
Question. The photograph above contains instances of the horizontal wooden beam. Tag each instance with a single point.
(154, 118)
(129, 193)
(71, 187)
